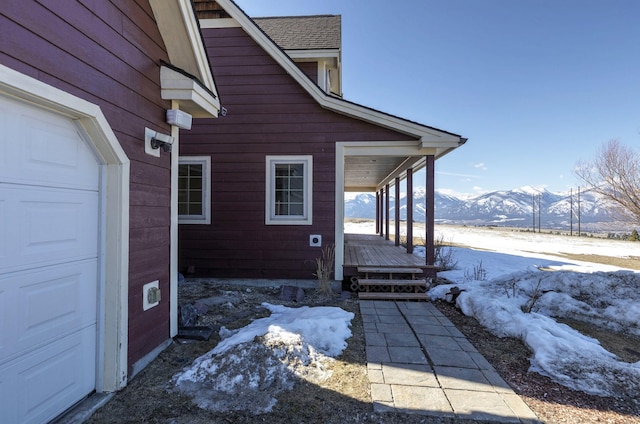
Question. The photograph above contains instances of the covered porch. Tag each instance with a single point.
(387, 169)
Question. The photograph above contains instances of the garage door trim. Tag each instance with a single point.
(112, 372)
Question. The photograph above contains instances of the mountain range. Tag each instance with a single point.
(524, 207)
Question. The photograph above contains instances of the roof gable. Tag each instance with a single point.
(441, 142)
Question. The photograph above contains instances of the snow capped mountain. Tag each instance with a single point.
(520, 207)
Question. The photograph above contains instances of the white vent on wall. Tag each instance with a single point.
(315, 240)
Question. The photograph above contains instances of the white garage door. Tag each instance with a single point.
(49, 227)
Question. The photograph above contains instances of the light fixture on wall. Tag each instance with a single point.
(162, 140)
(154, 141)
(179, 118)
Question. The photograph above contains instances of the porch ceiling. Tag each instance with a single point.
(367, 173)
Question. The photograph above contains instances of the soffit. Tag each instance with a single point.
(369, 171)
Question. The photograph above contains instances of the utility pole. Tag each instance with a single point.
(533, 212)
(571, 212)
(579, 230)
(539, 208)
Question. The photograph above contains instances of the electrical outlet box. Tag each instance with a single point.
(150, 295)
(315, 240)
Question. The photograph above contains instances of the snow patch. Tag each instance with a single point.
(250, 366)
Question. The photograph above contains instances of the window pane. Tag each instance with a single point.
(296, 197)
(190, 189)
(296, 209)
(195, 208)
(296, 169)
(296, 183)
(282, 183)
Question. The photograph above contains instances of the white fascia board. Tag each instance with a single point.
(314, 54)
(326, 101)
(182, 38)
(219, 23)
(385, 148)
(192, 98)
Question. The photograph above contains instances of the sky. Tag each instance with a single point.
(536, 86)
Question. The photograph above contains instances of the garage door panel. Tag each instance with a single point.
(40, 148)
(47, 226)
(40, 382)
(50, 213)
(48, 304)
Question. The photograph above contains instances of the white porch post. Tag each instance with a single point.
(397, 209)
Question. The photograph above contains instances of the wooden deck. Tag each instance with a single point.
(367, 250)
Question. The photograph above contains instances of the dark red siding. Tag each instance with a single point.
(108, 52)
(310, 69)
(268, 114)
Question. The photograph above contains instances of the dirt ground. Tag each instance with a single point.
(345, 397)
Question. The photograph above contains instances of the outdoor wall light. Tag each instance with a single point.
(179, 118)
(154, 140)
(162, 140)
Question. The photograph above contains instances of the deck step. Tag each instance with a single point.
(388, 282)
(392, 296)
(389, 270)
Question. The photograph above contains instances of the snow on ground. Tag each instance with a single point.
(505, 273)
(508, 292)
(502, 278)
(253, 364)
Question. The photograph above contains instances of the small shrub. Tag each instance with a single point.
(324, 268)
(444, 256)
(479, 273)
(511, 288)
(534, 294)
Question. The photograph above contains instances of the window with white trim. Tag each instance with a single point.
(289, 190)
(194, 190)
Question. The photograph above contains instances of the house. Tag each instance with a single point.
(262, 187)
(88, 191)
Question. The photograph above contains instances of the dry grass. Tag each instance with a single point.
(345, 397)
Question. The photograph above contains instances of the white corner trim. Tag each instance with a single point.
(173, 247)
(338, 272)
(92, 122)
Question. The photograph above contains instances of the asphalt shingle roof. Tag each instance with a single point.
(303, 32)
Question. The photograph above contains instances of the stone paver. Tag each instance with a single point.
(419, 363)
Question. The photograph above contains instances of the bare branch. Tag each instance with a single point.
(615, 174)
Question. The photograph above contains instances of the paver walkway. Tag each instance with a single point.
(418, 362)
